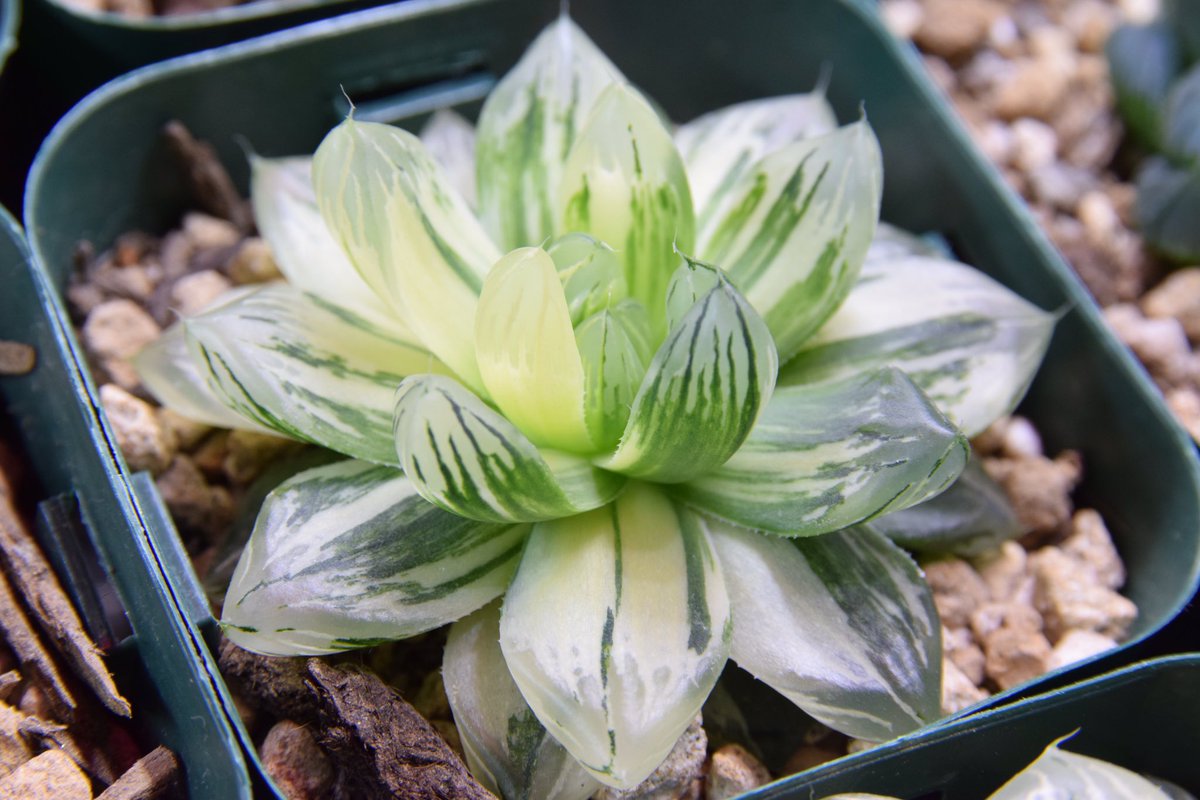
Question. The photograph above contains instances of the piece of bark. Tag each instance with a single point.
(382, 746)
(38, 663)
(153, 776)
(16, 358)
(51, 775)
(44, 595)
(9, 683)
(272, 684)
(210, 184)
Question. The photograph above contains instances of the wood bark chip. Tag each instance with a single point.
(210, 184)
(9, 681)
(155, 775)
(24, 642)
(271, 684)
(383, 746)
(16, 358)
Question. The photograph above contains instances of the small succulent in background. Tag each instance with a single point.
(1156, 75)
(571, 396)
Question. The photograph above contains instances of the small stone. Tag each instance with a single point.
(134, 282)
(1039, 489)
(941, 73)
(1034, 144)
(1060, 185)
(297, 764)
(191, 294)
(1160, 344)
(1036, 88)
(131, 8)
(859, 746)
(679, 776)
(991, 441)
(1006, 575)
(175, 254)
(1139, 12)
(1068, 595)
(733, 771)
(1004, 37)
(206, 232)
(1090, 22)
(250, 453)
(187, 432)
(1015, 655)
(1185, 405)
(953, 28)
(118, 329)
(144, 442)
(959, 647)
(1021, 439)
(1091, 543)
(1076, 645)
(996, 140)
(210, 456)
(84, 297)
(1177, 297)
(957, 590)
(992, 617)
(958, 691)
(50, 776)
(1098, 216)
(253, 263)
(808, 756)
(197, 507)
(902, 17)
(987, 70)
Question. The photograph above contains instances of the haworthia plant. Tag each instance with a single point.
(576, 401)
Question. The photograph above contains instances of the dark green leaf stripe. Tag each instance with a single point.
(349, 554)
(826, 456)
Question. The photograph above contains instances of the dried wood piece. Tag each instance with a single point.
(52, 736)
(9, 682)
(383, 747)
(16, 358)
(45, 597)
(271, 684)
(23, 640)
(210, 184)
(153, 776)
(52, 776)
(14, 747)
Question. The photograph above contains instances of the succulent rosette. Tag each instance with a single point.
(558, 379)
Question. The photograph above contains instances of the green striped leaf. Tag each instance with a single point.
(507, 748)
(689, 283)
(843, 625)
(349, 555)
(526, 351)
(298, 365)
(412, 238)
(972, 345)
(615, 629)
(625, 184)
(285, 210)
(466, 458)
(528, 125)
(793, 231)
(590, 272)
(450, 139)
(721, 146)
(1060, 773)
(826, 456)
(613, 367)
(892, 243)
(166, 367)
(702, 392)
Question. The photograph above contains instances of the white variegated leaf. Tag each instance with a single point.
(971, 344)
(507, 748)
(285, 210)
(891, 243)
(613, 370)
(526, 351)
(300, 366)
(843, 625)
(793, 231)
(166, 367)
(349, 555)
(590, 272)
(468, 459)
(616, 629)
(1062, 775)
(413, 239)
(702, 392)
(825, 456)
(527, 128)
(625, 184)
(722, 145)
(450, 139)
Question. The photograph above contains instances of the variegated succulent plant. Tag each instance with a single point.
(557, 377)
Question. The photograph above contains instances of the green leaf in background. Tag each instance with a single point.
(349, 555)
(971, 344)
(1168, 205)
(843, 625)
(529, 124)
(616, 629)
(1181, 126)
(1142, 62)
(466, 458)
(450, 139)
(1060, 773)
(828, 455)
(792, 232)
(972, 517)
(506, 746)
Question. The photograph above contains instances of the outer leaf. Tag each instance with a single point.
(526, 351)
(971, 344)
(527, 127)
(616, 629)
(1181, 134)
(794, 230)
(1168, 205)
(826, 456)
(972, 517)
(689, 283)
(842, 625)
(285, 209)
(1061, 774)
(723, 145)
(613, 370)
(407, 232)
(507, 749)
(168, 370)
(466, 458)
(891, 243)
(349, 555)
(625, 184)
(450, 139)
(303, 367)
(1142, 61)
(702, 393)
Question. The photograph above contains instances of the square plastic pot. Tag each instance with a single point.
(282, 93)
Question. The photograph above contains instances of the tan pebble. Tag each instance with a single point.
(250, 452)
(1006, 574)
(733, 771)
(676, 776)
(1039, 489)
(135, 282)
(859, 746)
(1069, 596)
(1161, 344)
(958, 645)
(187, 432)
(1035, 144)
(1050, 41)
(1035, 89)
(1078, 645)
(1091, 543)
(953, 28)
(118, 329)
(902, 17)
(957, 590)
(1139, 12)
(193, 293)
(808, 756)
(297, 764)
(1178, 297)
(210, 456)
(197, 507)
(144, 442)
(941, 73)
(995, 139)
(991, 617)
(175, 254)
(1060, 185)
(1015, 655)
(137, 9)
(1021, 439)
(958, 690)
(206, 232)
(1098, 215)
(50, 776)
(1005, 37)
(1185, 405)
(14, 747)
(991, 440)
(84, 297)
(1091, 22)
(253, 263)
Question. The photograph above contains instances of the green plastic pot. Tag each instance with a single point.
(283, 92)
